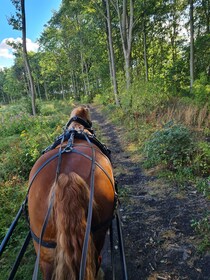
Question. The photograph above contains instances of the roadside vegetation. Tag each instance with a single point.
(22, 139)
(172, 137)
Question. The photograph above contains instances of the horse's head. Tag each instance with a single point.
(82, 112)
(78, 115)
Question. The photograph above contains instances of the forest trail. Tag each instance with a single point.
(160, 243)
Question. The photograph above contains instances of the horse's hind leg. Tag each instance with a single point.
(47, 270)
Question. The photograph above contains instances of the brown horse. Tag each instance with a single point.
(67, 222)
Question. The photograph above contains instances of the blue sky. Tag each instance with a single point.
(38, 12)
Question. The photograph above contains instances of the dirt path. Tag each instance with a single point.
(159, 240)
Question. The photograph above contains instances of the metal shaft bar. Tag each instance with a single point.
(10, 230)
(20, 256)
(121, 244)
(112, 251)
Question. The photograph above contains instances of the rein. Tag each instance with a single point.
(36, 268)
(89, 217)
(69, 148)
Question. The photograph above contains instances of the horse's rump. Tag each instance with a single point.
(70, 194)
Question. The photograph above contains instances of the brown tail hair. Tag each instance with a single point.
(69, 214)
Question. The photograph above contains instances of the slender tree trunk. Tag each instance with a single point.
(87, 78)
(191, 46)
(145, 50)
(4, 99)
(126, 29)
(38, 90)
(74, 85)
(45, 90)
(25, 57)
(62, 88)
(111, 51)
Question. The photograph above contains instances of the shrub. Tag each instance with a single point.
(202, 227)
(203, 186)
(172, 146)
(202, 90)
(201, 160)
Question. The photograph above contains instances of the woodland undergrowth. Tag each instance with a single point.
(22, 139)
(171, 135)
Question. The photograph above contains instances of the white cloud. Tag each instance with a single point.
(7, 51)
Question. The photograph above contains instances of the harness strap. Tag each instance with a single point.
(86, 156)
(87, 124)
(46, 219)
(46, 244)
(89, 217)
(81, 136)
(52, 244)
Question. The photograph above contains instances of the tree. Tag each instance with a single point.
(111, 50)
(191, 46)
(19, 23)
(126, 19)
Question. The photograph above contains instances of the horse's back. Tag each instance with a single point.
(79, 160)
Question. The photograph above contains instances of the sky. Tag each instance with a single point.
(38, 13)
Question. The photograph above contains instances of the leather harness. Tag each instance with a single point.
(69, 136)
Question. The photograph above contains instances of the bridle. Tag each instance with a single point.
(86, 123)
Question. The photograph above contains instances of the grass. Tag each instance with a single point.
(22, 139)
(185, 160)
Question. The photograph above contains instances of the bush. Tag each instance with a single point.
(172, 146)
(202, 90)
(201, 161)
(143, 97)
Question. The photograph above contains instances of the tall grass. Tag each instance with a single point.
(22, 138)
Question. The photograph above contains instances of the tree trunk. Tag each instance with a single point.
(38, 90)
(25, 57)
(62, 88)
(45, 90)
(74, 85)
(111, 51)
(191, 47)
(87, 78)
(145, 50)
(126, 29)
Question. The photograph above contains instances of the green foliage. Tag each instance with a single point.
(202, 227)
(12, 195)
(104, 99)
(22, 138)
(201, 90)
(201, 161)
(203, 186)
(28, 108)
(172, 146)
(143, 97)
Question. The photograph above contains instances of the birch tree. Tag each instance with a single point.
(19, 23)
(125, 13)
(111, 50)
(191, 46)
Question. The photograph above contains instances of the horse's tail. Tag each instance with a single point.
(70, 212)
